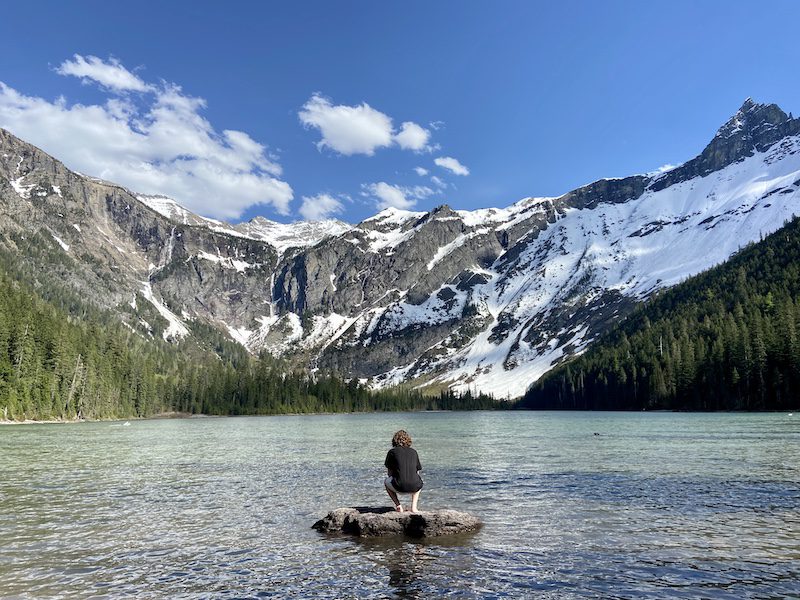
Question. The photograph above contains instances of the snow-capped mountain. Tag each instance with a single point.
(487, 299)
(281, 236)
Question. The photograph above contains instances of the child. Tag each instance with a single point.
(403, 465)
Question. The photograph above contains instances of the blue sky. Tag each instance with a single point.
(331, 108)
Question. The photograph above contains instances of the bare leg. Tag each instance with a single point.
(414, 499)
(394, 498)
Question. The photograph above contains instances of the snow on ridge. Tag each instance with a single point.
(298, 234)
(169, 208)
(394, 216)
(517, 211)
(281, 236)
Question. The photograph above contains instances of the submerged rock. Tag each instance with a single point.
(368, 522)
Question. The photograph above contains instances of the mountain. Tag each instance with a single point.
(280, 236)
(726, 339)
(488, 299)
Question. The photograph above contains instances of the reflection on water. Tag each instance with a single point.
(654, 505)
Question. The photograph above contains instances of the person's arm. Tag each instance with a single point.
(390, 463)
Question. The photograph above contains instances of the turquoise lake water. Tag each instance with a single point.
(655, 506)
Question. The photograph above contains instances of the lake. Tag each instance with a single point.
(575, 505)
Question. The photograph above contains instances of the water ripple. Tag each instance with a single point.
(679, 506)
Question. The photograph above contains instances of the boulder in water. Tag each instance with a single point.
(369, 522)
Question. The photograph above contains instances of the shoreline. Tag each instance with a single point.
(160, 416)
(179, 415)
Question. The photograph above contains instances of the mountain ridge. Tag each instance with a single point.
(487, 299)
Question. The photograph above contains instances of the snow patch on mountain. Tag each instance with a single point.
(226, 262)
(175, 328)
(24, 191)
(276, 333)
(443, 251)
(61, 242)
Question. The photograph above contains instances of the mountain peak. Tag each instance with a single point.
(753, 128)
(259, 220)
(748, 104)
(751, 119)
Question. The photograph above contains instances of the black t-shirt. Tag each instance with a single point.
(403, 464)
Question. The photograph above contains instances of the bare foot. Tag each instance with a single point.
(399, 508)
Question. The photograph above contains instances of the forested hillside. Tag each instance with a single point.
(724, 340)
(61, 358)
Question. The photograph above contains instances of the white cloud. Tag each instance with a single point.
(396, 196)
(413, 137)
(110, 74)
(389, 196)
(452, 165)
(347, 130)
(665, 168)
(360, 129)
(421, 171)
(438, 182)
(162, 145)
(320, 207)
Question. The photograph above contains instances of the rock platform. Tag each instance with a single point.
(367, 521)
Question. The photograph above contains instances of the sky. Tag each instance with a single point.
(314, 110)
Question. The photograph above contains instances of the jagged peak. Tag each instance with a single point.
(748, 104)
(751, 115)
(443, 210)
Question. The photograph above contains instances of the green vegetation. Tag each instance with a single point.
(60, 358)
(726, 339)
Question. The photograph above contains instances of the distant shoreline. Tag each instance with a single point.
(178, 415)
(167, 415)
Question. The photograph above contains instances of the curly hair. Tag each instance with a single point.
(401, 438)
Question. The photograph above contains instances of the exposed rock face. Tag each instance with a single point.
(371, 522)
(102, 242)
(754, 128)
(487, 299)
